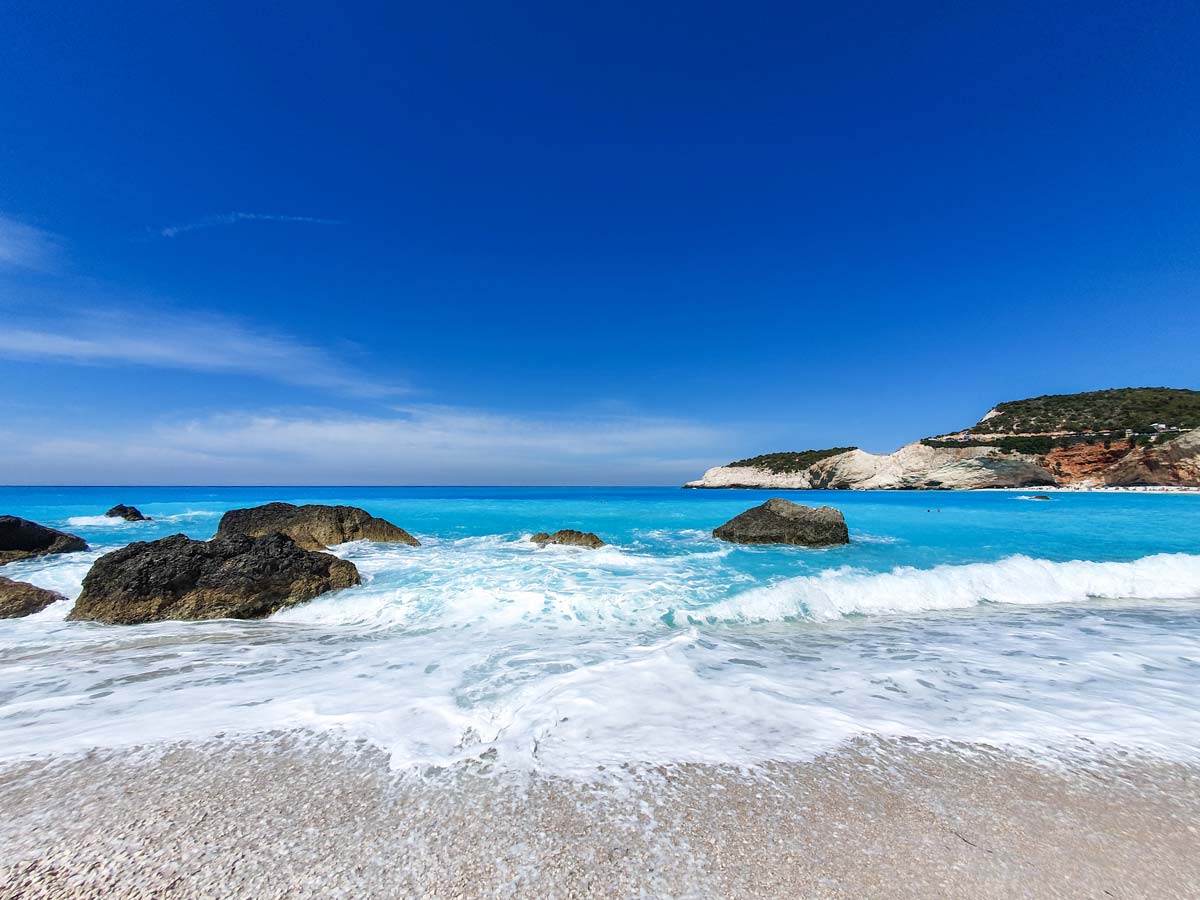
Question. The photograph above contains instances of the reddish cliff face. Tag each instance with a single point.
(1175, 462)
(920, 466)
(1084, 462)
(1165, 462)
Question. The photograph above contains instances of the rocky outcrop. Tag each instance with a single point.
(230, 577)
(313, 527)
(1085, 464)
(128, 513)
(1173, 462)
(782, 522)
(19, 598)
(913, 467)
(568, 537)
(1133, 436)
(21, 539)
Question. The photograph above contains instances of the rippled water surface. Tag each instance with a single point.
(1064, 626)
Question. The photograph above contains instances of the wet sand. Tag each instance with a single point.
(284, 818)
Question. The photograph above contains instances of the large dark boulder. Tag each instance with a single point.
(19, 598)
(230, 577)
(568, 537)
(783, 522)
(314, 526)
(128, 513)
(21, 539)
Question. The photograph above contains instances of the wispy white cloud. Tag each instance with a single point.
(190, 342)
(418, 445)
(233, 218)
(25, 247)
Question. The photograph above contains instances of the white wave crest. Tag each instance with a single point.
(190, 514)
(1016, 579)
(100, 522)
(118, 522)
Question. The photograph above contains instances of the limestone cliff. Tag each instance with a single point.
(1118, 437)
(914, 467)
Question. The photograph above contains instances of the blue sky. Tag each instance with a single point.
(534, 243)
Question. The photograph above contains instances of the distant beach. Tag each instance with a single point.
(1105, 489)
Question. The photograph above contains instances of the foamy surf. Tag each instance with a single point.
(665, 646)
(101, 522)
(118, 522)
(1017, 580)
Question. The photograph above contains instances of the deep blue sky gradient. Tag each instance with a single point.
(755, 226)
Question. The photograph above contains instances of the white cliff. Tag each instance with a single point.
(914, 466)
(1136, 436)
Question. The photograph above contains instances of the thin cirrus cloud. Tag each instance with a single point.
(193, 343)
(112, 334)
(416, 445)
(26, 247)
(232, 218)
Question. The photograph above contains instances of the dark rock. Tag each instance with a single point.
(1040, 497)
(128, 513)
(568, 537)
(230, 577)
(19, 598)
(313, 527)
(783, 522)
(21, 539)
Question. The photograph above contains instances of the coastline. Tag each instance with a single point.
(1104, 489)
(284, 816)
(1034, 489)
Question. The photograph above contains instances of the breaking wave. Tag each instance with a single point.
(101, 522)
(1016, 579)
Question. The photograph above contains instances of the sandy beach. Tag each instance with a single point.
(286, 817)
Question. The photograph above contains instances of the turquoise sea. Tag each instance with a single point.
(1068, 626)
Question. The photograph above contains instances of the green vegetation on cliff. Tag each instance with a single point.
(1037, 445)
(1041, 444)
(797, 461)
(1111, 410)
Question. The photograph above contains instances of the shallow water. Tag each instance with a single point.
(1063, 626)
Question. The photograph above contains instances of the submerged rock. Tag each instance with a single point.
(782, 522)
(19, 598)
(568, 537)
(128, 513)
(21, 539)
(315, 526)
(230, 577)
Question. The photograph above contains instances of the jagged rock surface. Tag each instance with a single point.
(1175, 462)
(128, 513)
(230, 577)
(19, 598)
(314, 526)
(568, 537)
(780, 521)
(22, 539)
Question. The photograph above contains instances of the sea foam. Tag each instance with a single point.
(664, 646)
(100, 522)
(1017, 579)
